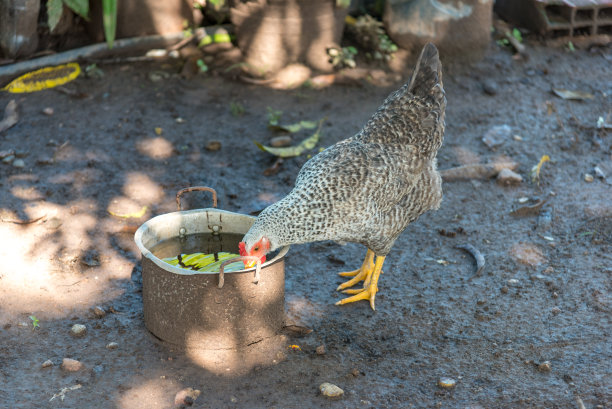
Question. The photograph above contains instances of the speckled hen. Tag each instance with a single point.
(366, 189)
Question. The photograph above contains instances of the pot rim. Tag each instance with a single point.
(145, 252)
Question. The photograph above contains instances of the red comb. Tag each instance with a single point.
(241, 248)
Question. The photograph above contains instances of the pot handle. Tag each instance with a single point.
(192, 189)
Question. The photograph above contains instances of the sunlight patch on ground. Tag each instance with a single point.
(140, 187)
(153, 394)
(156, 148)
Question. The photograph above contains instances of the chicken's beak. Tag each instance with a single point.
(250, 264)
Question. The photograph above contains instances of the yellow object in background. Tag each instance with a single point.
(44, 78)
(205, 262)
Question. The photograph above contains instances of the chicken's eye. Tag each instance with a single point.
(256, 248)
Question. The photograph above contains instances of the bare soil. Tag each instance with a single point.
(544, 294)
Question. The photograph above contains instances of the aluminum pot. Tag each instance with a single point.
(190, 308)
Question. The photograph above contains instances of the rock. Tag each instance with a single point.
(7, 152)
(504, 290)
(446, 382)
(186, 396)
(48, 111)
(460, 30)
(78, 330)
(280, 141)
(527, 253)
(497, 135)
(355, 372)
(506, 177)
(513, 282)
(19, 163)
(588, 177)
(544, 366)
(47, 363)
(99, 311)
(233, 399)
(489, 87)
(320, 350)
(556, 311)
(71, 365)
(330, 390)
(213, 146)
(112, 345)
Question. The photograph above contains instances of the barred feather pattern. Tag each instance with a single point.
(368, 188)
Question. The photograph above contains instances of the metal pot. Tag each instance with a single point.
(188, 308)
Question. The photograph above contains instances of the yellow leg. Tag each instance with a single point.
(361, 274)
(371, 286)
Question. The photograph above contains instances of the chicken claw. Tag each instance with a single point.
(371, 286)
(363, 273)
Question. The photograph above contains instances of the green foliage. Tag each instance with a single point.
(274, 116)
(202, 66)
(236, 109)
(109, 20)
(342, 57)
(35, 322)
(55, 9)
(516, 33)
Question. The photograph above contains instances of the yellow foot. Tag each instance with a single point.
(364, 294)
(363, 273)
(371, 285)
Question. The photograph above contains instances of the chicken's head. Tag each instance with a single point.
(259, 249)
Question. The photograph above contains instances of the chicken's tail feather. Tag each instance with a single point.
(426, 81)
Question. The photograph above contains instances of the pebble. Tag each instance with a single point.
(588, 177)
(355, 372)
(508, 177)
(320, 350)
(497, 135)
(48, 111)
(186, 396)
(233, 399)
(330, 390)
(556, 310)
(489, 87)
(5, 153)
(112, 345)
(599, 173)
(99, 311)
(213, 146)
(19, 163)
(513, 282)
(8, 158)
(47, 363)
(447, 383)
(71, 365)
(544, 366)
(504, 290)
(280, 141)
(78, 330)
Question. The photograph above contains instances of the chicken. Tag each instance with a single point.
(366, 189)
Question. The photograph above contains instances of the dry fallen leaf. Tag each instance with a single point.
(568, 94)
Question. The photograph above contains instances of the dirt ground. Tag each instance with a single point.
(544, 294)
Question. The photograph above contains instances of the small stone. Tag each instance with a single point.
(179, 120)
(489, 87)
(19, 163)
(47, 363)
(507, 177)
(556, 311)
(6, 153)
(555, 295)
(599, 173)
(186, 396)
(8, 158)
(446, 382)
(99, 311)
(330, 390)
(504, 290)
(78, 330)
(355, 372)
(320, 350)
(544, 366)
(45, 160)
(71, 365)
(233, 399)
(48, 111)
(280, 141)
(513, 282)
(588, 177)
(213, 146)
(497, 135)
(112, 345)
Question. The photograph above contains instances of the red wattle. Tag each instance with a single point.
(242, 249)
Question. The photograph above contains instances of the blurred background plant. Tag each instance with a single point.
(55, 9)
